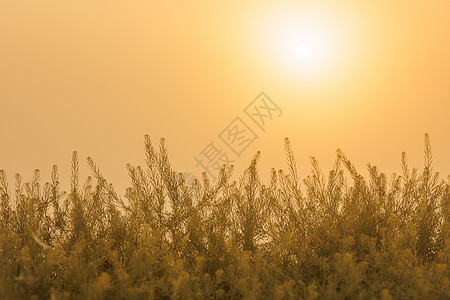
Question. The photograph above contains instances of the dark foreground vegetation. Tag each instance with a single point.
(340, 236)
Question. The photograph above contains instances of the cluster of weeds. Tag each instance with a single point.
(334, 236)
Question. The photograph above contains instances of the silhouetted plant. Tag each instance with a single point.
(338, 235)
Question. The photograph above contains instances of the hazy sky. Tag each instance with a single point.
(95, 76)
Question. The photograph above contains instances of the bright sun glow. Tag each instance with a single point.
(303, 51)
(305, 42)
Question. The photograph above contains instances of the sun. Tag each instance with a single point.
(303, 51)
(305, 43)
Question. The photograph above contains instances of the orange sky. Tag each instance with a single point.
(95, 76)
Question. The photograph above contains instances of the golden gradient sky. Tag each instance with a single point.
(95, 76)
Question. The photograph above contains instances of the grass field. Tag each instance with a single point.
(336, 235)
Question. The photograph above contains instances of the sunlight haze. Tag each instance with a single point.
(368, 77)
